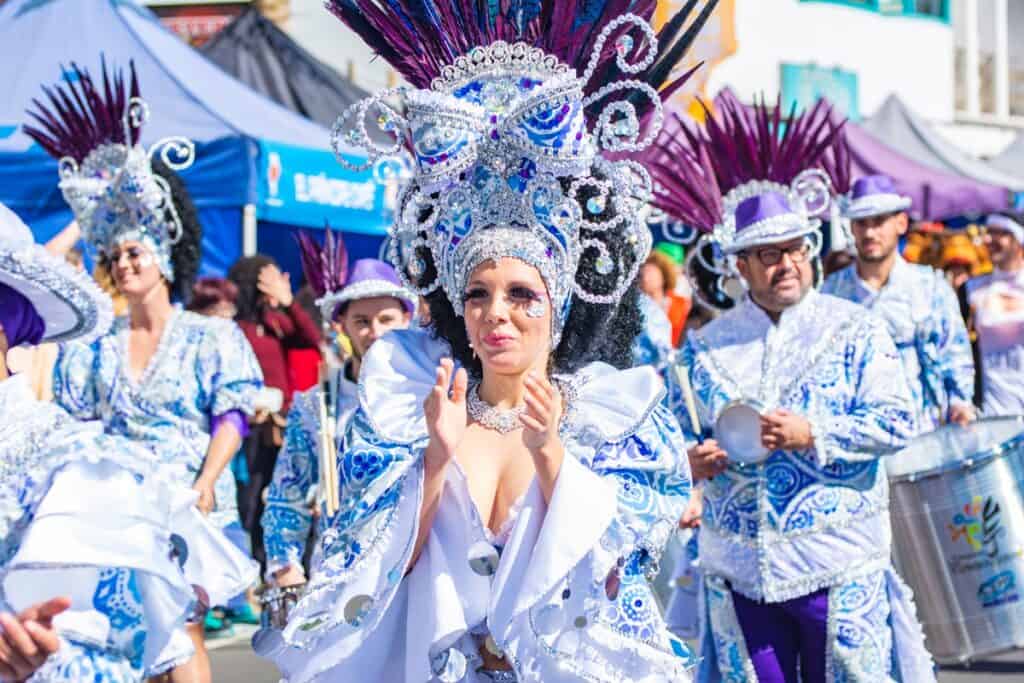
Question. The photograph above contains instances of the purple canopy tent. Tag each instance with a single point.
(937, 195)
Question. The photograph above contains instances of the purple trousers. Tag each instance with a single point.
(786, 637)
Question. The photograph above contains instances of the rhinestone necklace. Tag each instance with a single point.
(499, 420)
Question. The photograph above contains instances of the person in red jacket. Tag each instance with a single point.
(274, 323)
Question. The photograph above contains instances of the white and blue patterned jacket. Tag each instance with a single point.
(801, 521)
(923, 317)
(287, 517)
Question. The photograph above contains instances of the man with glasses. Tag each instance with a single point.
(917, 304)
(795, 538)
(997, 309)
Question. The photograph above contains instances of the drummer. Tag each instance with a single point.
(371, 303)
(796, 548)
(915, 301)
(997, 309)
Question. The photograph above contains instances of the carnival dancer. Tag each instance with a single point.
(916, 303)
(996, 305)
(178, 383)
(363, 304)
(84, 513)
(795, 539)
(506, 490)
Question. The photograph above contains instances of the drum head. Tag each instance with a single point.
(738, 432)
(949, 446)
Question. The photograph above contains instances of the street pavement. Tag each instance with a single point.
(235, 662)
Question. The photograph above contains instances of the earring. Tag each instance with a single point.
(473, 350)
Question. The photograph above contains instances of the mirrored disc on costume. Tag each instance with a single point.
(738, 432)
(549, 619)
(357, 608)
(483, 558)
(179, 550)
(449, 665)
(612, 583)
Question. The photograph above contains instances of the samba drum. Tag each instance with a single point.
(738, 432)
(958, 535)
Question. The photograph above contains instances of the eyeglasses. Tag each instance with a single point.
(771, 256)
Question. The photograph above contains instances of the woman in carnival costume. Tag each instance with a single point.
(507, 489)
(177, 383)
(81, 512)
(795, 542)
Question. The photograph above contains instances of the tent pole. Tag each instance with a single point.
(249, 230)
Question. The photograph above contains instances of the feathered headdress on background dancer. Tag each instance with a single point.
(327, 271)
(749, 177)
(514, 108)
(106, 176)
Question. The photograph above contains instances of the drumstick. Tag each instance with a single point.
(327, 460)
(683, 377)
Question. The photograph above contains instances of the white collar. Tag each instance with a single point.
(398, 374)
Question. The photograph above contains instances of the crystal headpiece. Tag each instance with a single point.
(749, 177)
(106, 176)
(509, 141)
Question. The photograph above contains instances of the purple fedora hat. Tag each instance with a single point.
(767, 218)
(369, 278)
(874, 195)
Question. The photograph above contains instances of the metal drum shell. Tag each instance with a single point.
(966, 569)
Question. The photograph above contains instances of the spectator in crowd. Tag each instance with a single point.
(274, 322)
(658, 279)
(959, 259)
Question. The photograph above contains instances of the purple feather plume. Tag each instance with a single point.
(81, 115)
(420, 37)
(695, 167)
(324, 265)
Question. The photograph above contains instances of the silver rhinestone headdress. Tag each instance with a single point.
(116, 196)
(506, 164)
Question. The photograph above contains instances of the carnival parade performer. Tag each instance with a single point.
(175, 382)
(997, 311)
(67, 490)
(915, 301)
(506, 489)
(795, 536)
(364, 303)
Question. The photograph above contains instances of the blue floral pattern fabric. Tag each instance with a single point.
(653, 346)
(801, 520)
(923, 316)
(584, 608)
(287, 518)
(203, 367)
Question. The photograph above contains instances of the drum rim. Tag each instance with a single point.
(996, 451)
(757, 407)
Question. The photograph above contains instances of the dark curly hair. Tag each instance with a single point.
(186, 253)
(592, 332)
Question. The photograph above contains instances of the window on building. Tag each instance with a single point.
(939, 9)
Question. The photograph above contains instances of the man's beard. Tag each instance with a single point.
(875, 259)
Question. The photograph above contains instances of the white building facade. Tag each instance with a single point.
(874, 47)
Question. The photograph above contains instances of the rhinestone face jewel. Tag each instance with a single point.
(491, 143)
(486, 415)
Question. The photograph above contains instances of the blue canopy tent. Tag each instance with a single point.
(256, 161)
